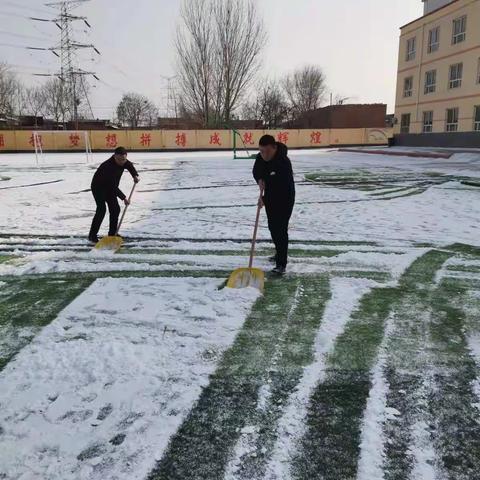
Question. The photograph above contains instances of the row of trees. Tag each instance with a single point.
(219, 46)
(277, 102)
(48, 99)
(51, 100)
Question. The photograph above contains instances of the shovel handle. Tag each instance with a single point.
(255, 230)
(125, 209)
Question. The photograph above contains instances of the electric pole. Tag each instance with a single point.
(71, 76)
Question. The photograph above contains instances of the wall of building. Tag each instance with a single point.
(467, 52)
(107, 140)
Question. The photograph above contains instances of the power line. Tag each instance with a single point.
(23, 7)
(21, 35)
(71, 76)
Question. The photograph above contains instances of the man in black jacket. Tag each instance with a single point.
(105, 189)
(273, 173)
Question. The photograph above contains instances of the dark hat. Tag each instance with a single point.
(120, 151)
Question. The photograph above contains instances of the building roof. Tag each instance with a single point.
(430, 13)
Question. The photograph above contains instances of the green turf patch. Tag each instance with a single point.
(383, 185)
(464, 268)
(330, 447)
(469, 250)
(275, 343)
(27, 304)
(6, 258)
(456, 431)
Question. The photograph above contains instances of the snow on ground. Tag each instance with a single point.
(155, 371)
(102, 388)
(209, 195)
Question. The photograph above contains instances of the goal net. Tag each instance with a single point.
(61, 140)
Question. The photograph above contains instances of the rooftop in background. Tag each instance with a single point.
(432, 5)
(344, 116)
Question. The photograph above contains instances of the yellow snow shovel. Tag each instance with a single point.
(114, 242)
(249, 277)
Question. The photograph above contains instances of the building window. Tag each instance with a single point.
(459, 30)
(430, 81)
(455, 78)
(428, 122)
(405, 123)
(408, 87)
(476, 119)
(411, 47)
(452, 120)
(433, 40)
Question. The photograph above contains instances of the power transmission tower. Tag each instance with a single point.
(71, 76)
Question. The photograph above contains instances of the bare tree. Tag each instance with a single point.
(239, 38)
(136, 110)
(218, 51)
(269, 105)
(194, 44)
(56, 103)
(305, 89)
(34, 101)
(10, 90)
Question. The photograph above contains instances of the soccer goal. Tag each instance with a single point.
(62, 140)
(240, 149)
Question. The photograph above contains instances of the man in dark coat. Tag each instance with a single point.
(105, 189)
(273, 173)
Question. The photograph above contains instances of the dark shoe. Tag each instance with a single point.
(272, 259)
(93, 239)
(279, 270)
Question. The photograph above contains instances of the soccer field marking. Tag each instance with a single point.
(107, 399)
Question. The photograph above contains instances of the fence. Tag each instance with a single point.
(107, 140)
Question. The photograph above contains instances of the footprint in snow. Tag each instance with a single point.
(92, 451)
(117, 439)
(76, 416)
(105, 412)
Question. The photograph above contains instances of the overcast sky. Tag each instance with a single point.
(354, 41)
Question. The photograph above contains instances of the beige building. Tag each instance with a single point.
(438, 79)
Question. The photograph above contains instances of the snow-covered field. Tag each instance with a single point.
(362, 363)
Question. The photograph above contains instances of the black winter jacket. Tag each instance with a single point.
(107, 177)
(278, 177)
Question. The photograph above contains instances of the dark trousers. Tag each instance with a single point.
(102, 198)
(278, 218)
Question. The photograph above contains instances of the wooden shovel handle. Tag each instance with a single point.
(255, 230)
(125, 209)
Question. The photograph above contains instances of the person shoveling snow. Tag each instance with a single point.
(105, 189)
(274, 175)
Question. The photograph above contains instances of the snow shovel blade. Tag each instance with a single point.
(247, 277)
(110, 243)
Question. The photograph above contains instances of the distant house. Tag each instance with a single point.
(343, 116)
